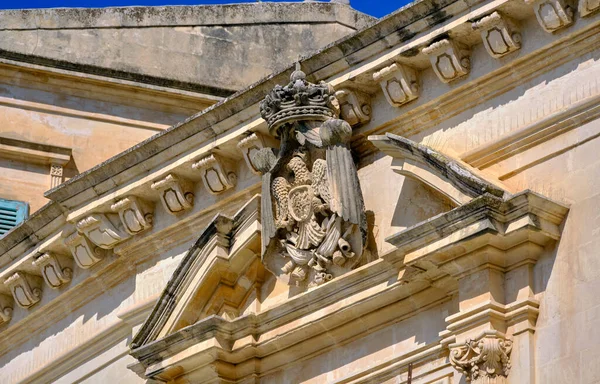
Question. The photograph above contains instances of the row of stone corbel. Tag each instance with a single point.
(95, 234)
(450, 59)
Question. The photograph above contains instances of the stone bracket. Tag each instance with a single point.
(56, 270)
(85, 253)
(175, 193)
(588, 7)
(6, 309)
(449, 59)
(217, 173)
(25, 288)
(250, 145)
(101, 230)
(355, 106)
(552, 15)
(499, 34)
(135, 214)
(399, 84)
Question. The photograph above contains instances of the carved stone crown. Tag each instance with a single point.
(299, 100)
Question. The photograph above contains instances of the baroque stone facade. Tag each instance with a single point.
(414, 203)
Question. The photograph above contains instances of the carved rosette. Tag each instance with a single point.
(85, 253)
(552, 15)
(312, 213)
(103, 230)
(399, 84)
(449, 59)
(355, 106)
(484, 360)
(6, 309)
(588, 7)
(175, 194)
(499, 34)
(56, 270)
(26, 289)
(135, 214)
(217, 173)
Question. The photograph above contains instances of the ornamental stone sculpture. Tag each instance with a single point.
(313, 218)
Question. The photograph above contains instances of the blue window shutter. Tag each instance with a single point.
(12, 213)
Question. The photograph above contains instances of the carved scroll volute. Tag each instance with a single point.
(85, 253)
(175, 193)
(104, 230)
(499, 34)
(588, 7)
(57, 270)
(6, 309)
(250, 145)
(135, 214)
(399, 84)
(26, 289)
(484, 360)
(217, 173)
(355, 106)
(450, 60)
(552, 15)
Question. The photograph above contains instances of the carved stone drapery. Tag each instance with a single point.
(56, 270)
(175, 194)
(484, 360)
(313, 219)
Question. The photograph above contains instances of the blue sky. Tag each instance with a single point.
(376, 8)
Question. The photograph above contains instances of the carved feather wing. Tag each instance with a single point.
(319, 180)
(346, 197)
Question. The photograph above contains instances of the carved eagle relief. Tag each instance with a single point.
(312, 210)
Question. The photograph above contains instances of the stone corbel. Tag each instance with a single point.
(552, 15)
(135, 214)
(483, 360)
(399, 84)
(499, 34)
(217, 173)
(250, 145)
(6, 309)
(25, 288)
(102, 229)
(449, 59)
(588, 7)
(355, 106)
(56, 270)
(84, 252)
(175, 193)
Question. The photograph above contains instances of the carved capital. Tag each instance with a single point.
(399, 84)
(135, 214)
(499, 34)
(175, 194)
(56, 270)
(588, 7)
(25, 288)
(485, 359)
(355, 106)
(84, 252)
(449, 59)
(249, 146)
(552, 14)
(6, 309)
(217, 173)
(101, 230)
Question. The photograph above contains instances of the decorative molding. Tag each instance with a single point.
(449, 60)
(552, 15)
(25, 288)
(399, 84)
(135, 214)
(499, 34)
(355, 106)
(34, 153)
(84, 252)
(175, 193)
(249, 146)
(56, 175)
(588, 7)
(217, 173)
(56, 270)
(6, 309)
(483, 360)
(101, 230)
